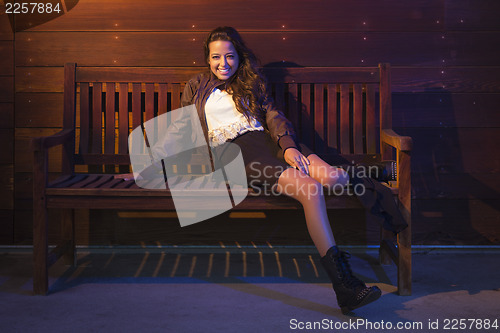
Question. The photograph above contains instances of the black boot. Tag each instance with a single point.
(351, 292)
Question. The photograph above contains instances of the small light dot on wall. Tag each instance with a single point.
(437, 21)
(116, 37)
(364, 38)
(364, 23)
(194, 62)
(29, 39)
(442, 37)
(114, 61)
(193, 26)
(461, 21)
(116, 24)
(283, 26)
(284, 38)
(194, 39)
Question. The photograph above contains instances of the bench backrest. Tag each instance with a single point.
(334, 109)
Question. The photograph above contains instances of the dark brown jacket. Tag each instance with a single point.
(199, 88)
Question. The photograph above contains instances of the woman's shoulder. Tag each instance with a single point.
(198, 78)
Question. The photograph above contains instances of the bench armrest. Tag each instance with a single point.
(44, 142)
(402, 143)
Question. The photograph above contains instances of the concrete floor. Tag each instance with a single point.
(280, 289)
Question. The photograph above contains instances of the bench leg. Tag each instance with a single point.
(40, 247)
(68, 236)
(383, 255)
(404, 262)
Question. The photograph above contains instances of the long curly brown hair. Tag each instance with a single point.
(248, 85)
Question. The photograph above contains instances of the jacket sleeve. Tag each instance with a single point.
(190, 91)
(280, 128)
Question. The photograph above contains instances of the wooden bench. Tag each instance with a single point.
(334, 111)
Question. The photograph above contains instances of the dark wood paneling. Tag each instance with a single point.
(303, 48)
(404, 79)
(5, 27)
(456, 222)
(451, 80)
(483, 186)
(445, 110)
(39, 109)
(23, 225)
(6, 58)
(24, 188)
(472, 15)
(23, 154)
(6, 140)
(6, 89)
(6, 115)
(6, 186)
(36, 79)
(6, 227)
(454, 150)
(260, 15)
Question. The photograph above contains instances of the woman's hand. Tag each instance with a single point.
(297, 160)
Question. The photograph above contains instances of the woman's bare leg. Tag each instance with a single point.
(329, 176)
(309, 193)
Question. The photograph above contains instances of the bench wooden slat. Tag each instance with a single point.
(84, 118)
(59, 180)
(96, 159)
(149, 101)
(136, 105)
(85, 181)
(101, 179)
(306, 115)
(96, 131)
(182, 74)
(124, 184)
(109, 144)
(279, 95)
(123, 119)
(371, 144)
(320, 125)
(332, 115)
(111, 184)
(293, 111)
(162, 98)
(344, 119)
(176, 95)
(71, 180)
(358, 135)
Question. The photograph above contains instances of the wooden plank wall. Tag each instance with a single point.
(6, 130)
(444, 55)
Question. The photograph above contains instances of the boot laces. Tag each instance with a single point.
(346, 273)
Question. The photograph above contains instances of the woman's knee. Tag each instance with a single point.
(338, 177)
(328, 175)
(294, 183)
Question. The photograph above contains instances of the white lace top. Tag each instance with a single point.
(223, 119)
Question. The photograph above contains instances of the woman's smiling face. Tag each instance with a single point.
(223, 59)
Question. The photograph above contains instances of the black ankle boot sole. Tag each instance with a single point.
(372, 296)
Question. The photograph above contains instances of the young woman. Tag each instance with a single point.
(233, 105)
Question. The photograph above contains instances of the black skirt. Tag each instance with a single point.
(263, 158)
